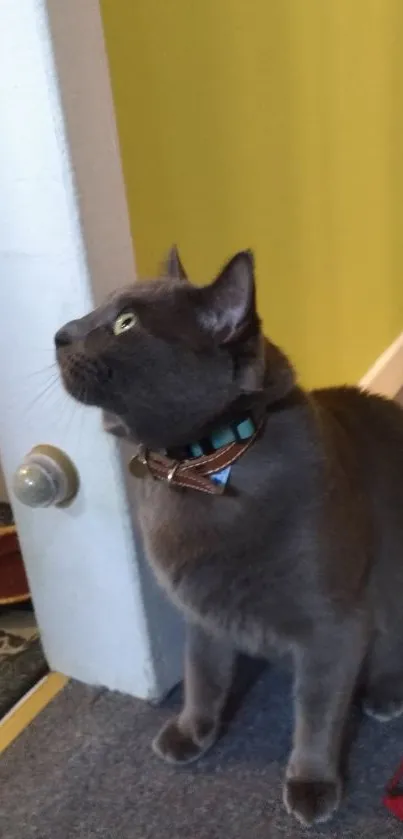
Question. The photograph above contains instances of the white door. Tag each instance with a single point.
(64, 239)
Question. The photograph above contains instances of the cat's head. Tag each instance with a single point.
(169, 358)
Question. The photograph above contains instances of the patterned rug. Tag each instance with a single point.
(22, 662)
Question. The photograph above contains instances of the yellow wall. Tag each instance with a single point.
(277, 125)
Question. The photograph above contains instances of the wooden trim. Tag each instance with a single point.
(386, 375)
(20, 717)
(7, 529)
(89, 111)
(9, 601)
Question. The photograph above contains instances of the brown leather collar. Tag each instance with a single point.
(194, 473)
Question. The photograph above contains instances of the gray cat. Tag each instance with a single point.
(300, 546)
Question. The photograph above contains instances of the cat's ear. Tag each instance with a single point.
(229, 303)
(173, 267)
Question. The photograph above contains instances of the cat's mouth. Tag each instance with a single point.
(86, 381)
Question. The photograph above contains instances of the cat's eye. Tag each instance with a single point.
(124, 322)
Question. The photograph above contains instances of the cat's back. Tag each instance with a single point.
(371, 419)
(372, 427)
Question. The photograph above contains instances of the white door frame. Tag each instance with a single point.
(65, 236)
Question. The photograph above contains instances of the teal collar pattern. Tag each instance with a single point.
(204, 466)
(238, 432)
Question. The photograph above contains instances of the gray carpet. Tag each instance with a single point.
(84, 770)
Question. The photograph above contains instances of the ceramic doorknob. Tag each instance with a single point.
(46, 477)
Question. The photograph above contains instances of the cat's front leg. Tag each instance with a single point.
(209, 665)
(326, 675)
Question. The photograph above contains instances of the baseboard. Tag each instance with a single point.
(25, 711)
(386, 375)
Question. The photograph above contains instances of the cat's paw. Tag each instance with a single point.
(311, 801)
(179, 743)
(383, 708)
(384, 698)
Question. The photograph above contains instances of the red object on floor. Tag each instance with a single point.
(13, 580)
(393, 798)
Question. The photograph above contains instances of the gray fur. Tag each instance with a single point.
(304, 550)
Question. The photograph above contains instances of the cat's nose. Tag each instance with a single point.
(66, 335)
